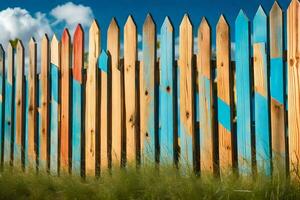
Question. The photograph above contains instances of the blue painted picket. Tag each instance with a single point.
(167, 98)
(54, 118)
(9, 111)
(243, 93)
(77, 117)
(262, 118)
(2, 98)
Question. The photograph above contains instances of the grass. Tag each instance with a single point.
(145, 183)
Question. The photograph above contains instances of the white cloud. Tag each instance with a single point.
(71, 14)
(19, 23)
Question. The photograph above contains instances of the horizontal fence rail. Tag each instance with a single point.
(200, 113)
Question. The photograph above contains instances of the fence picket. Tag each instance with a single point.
(187, 115)
(9, 108)
(77, 100)
(261, 90)
(293, 30)
(65, 101)
(207, 139)
(243, 93)
(167, 113)
(55, 104)
(105, 108)
(225, 97)
(131, 94)
(92, 116)
(148, 93)
(277, 89)
(45, 91)
(19, 105)
(113, 47)
(2, 99)
(31, 107)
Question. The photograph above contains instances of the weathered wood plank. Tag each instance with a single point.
(277, 90)
(113, 47)
(2, 99)
(167, 112)
(206, 101)
(19, 104)
(243, 93)
(65, 102)
(77, 101)
(55, 105)
(105, 108)
(44, 103)
(91, 120)
(293, 42)
(187, 115)
(225, 97)
(31, 106)
(148, 93)
(262, 118)
(131, 94)
(9, 108)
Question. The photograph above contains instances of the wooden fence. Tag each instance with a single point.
(209, 115)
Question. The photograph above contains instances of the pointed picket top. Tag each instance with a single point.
(130, 23)
(276, 7)
(65, 36)
(103, 61)
(55, 51)
(185, 22)
(78, 53)
(113, 25)
(222, 22)
(149, 21)
(204, 26)
(294, 3)
(167, 25)
(20, 46)
(260, 26)
(32, 41)
(94, 29)
(45, 40)
(242, 17)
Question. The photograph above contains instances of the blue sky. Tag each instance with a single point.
(45, 15)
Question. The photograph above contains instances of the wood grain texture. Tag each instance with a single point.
(65, 101)
(55, 105)
(225, 101)
(206, 101)
(105, 108)
(2, 99)
(261, 92)
(113, 47)
(187, 115)
(19, 104)
(277, 90)
(77, 101)
(32, 104)
(167, 113)
(243, 94)
(148, 93)
(9, 111)
(131, 94)
(44, 103)
(293, 42)
(92, 116)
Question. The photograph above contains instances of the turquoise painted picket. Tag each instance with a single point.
(167, 92)
(243, 93)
